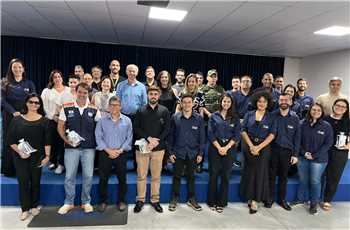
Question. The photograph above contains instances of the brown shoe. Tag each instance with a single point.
(102, 207)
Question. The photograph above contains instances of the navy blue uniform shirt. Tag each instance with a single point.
(259, 130)
(316, 139)
(287, 130)
(187, 136)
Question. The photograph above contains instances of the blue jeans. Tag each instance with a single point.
(310, 174)
(71, 161)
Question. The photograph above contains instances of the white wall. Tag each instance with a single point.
(318, 69)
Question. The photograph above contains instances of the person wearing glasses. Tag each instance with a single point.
(31, 127)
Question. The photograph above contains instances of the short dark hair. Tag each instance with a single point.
(79, 66)
(74, 76)
(236, 77)
(301, 79)
(153, 88)
(149, 67)
(41, 110)
(278, 76)
(200, 73)
(83, 85)
(181, 70)
(185, 95)
(259, 94)
(96, 67)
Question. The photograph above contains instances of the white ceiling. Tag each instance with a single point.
(264, 28)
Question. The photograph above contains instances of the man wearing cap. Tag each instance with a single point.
(212, 93)
(327, 100)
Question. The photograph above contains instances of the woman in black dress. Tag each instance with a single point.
(32, 127)
(337, 155)
(167, 97)
(15, 87)
(257, 134)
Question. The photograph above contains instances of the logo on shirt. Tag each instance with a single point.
(70, 113)
(195, 127)
(320, 132)
(232, 125)
(26, 89)
(90, 114)
(290, 127)
(265, 126)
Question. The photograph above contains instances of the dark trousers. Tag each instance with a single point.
(7, 164)
(178, 169)
(28, 176)
(132, 152)
(336, 164)
(279, 166)
(219, 166)
(57, 146)
(105, 167)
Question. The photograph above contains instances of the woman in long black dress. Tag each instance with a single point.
(257, 134)
(32, 127)
(15, 87)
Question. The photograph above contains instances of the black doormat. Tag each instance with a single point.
(49, 217)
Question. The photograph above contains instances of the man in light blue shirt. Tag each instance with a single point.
(114, 139)
(131, 92)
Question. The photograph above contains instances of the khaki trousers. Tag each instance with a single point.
(152, 160)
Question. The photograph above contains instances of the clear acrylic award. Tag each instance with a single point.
(74, 138)
(25, 147)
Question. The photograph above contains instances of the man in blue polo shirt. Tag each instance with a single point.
(302, 98)
(82, 119)
(186, 145)
(285, 148)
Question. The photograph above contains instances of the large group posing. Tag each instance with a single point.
(276, 127)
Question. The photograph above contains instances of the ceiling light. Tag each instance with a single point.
(167, 14)
(334, 31)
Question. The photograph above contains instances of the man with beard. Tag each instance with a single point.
(267, 82)
(96, 73)
(302, 98)
(114, 74)
(285, 149)
(180, 81)
(152, 122)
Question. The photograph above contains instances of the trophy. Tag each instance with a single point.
(341, 140)
(25, 147)
(142, 143)
(74, 138)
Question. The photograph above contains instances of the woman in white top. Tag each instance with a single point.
(101, 98)
(51, 97)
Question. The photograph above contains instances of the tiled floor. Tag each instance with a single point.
(235, 216)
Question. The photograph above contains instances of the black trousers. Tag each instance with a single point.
(7, 164)
(279, 166)
(178, 169)
(57, 146)
(28, 176)
(335, 167)
(132, 152)
(219, 166)
(105, 167)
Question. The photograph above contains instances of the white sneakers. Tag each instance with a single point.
(59, 169)
(66, 208)
(35, 211)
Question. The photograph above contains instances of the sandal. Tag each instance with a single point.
(326, 206)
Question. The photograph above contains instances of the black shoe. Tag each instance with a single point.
(138, 206)
(172, 204)
(268, 204)
(296, 203)
(313, 209)
(102, 207)
(157, 207)
(252, 211)
(285, 205)
(193, 204)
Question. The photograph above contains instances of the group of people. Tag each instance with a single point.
(275, 127)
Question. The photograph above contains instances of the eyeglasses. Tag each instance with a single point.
(34, 102)
(340, 106)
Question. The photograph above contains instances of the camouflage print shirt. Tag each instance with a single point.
(212, 96)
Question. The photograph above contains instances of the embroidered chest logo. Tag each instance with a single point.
(320, 132)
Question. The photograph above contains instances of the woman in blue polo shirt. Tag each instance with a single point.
(316, 139)
(223, 134)
(15, 87)
(257, 134)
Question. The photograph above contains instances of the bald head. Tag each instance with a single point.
(267, 80)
